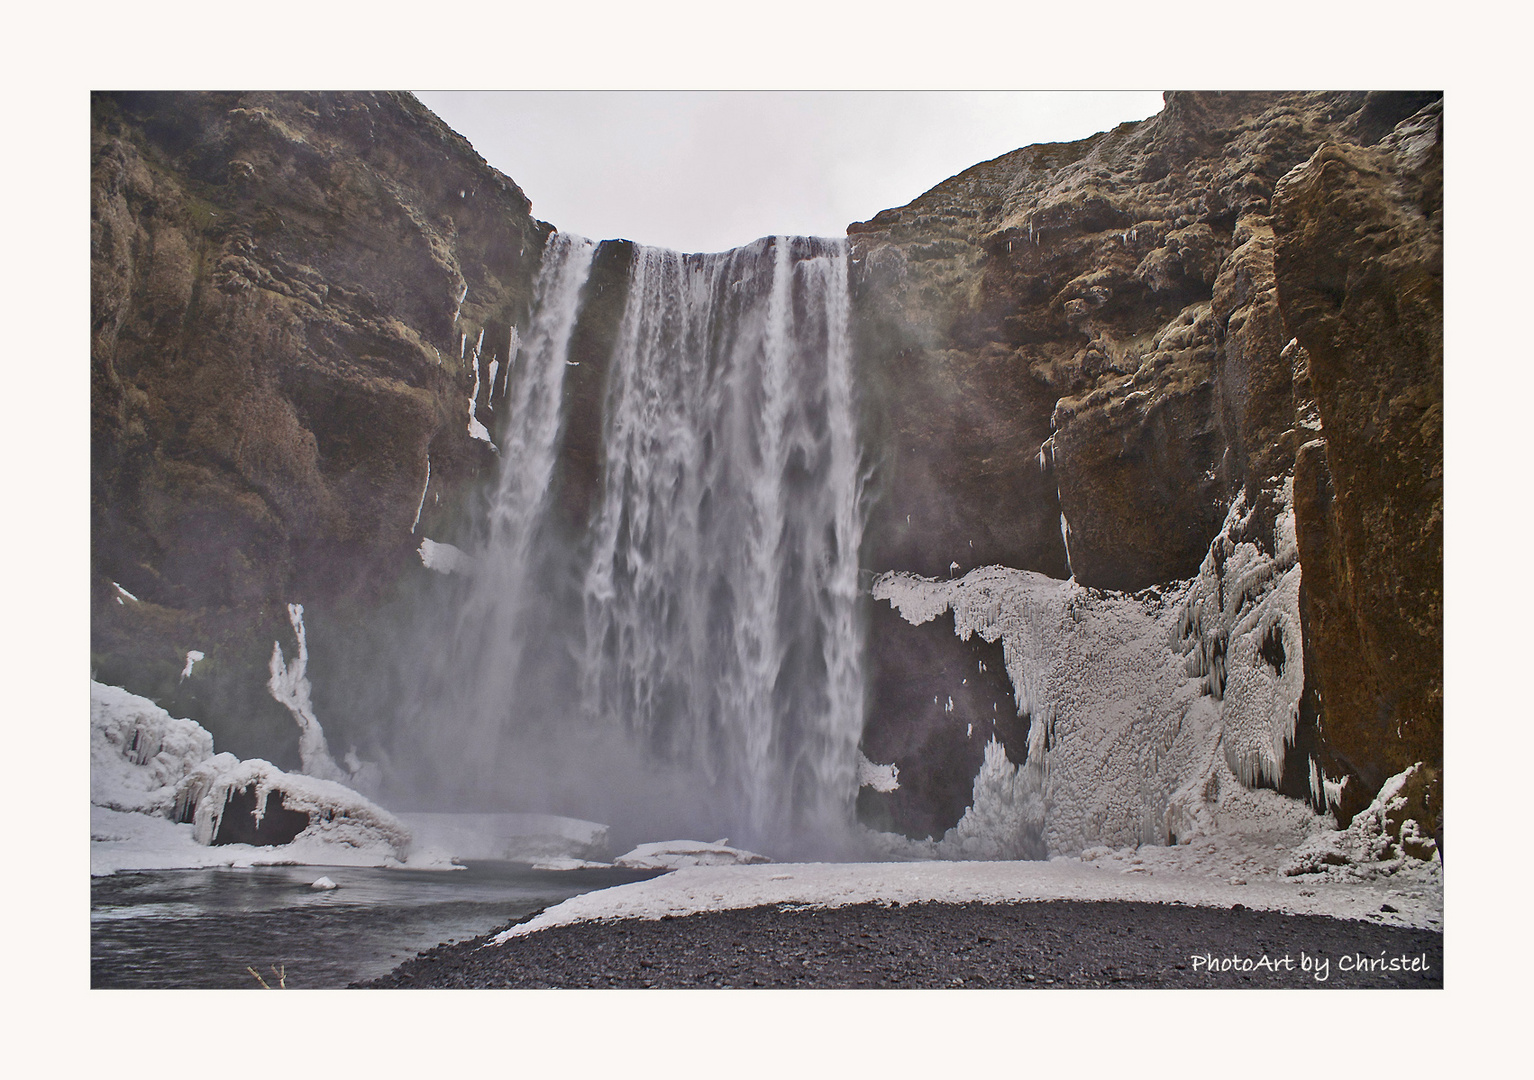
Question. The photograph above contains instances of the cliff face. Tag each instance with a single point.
(1072, 359)
(1076, 356)
(1359, 263)
(287, 291)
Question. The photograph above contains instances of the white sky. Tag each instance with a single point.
(706, 171)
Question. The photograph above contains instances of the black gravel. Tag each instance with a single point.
(1065, 943)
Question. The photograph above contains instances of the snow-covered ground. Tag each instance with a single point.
(1189, 874)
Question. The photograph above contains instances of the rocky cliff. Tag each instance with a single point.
(1078, 355)
(293, 297)
(1074, 359)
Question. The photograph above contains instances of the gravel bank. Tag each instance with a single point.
(972, 945)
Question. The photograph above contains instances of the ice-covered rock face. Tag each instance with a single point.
(139, 752)
(307, 809)
(144, 760)
(1150, 717)
(1240, 631)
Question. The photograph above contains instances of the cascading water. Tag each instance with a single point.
(476, 680)
(715, 656)
(720, 599)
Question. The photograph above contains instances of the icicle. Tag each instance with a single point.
(191, 659)
(422, 504)
(477, 430)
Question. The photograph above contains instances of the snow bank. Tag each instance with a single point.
(139, 752)
(543, 840)
(714, 888)
(675, 854)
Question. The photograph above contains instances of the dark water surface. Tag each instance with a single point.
(204, 928)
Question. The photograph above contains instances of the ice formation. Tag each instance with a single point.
(1240, 630)
(158, 791)
(425, 487)
(139, 752)
(477, 430)
(191, 660)
(444, 558)
(878, 777)
(289, 684)
(1151, 717)
(1381, 839)
(337, 814)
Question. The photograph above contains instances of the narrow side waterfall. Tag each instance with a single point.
(689, 656)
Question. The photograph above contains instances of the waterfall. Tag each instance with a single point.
(720, 599)
(466, 702)
(698, 641)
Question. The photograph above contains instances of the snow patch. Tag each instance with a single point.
(477, 430)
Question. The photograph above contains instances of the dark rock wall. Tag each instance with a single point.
(274, 356)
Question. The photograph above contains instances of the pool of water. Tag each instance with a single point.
(207, 928)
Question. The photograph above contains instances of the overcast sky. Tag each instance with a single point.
(703, 171)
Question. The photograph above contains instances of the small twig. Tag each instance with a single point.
(280, 973)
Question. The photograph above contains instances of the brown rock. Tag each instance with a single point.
(275, 279)
(1360, 277)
